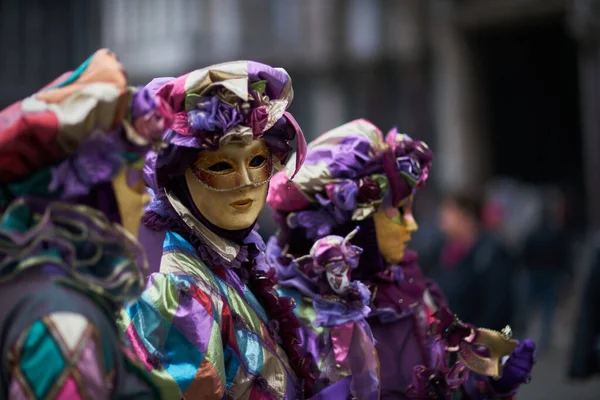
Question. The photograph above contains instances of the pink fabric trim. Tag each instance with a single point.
(139, 349)
(90, 370)
(341, 337)
(69, 391)
(16, 391)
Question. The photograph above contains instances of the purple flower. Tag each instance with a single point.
(368, 190)
(142, 103)
(96, 161)
(151, 116)
(437, 382)
(452, 330)
(204, 116)
(228, 116)
(257, 120)
(343, 194)
(429, 383)
(211, 114)
(317, 223)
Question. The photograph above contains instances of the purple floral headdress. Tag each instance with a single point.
(349, 173)
(240, 100)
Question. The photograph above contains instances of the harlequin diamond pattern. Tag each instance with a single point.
(38, 359)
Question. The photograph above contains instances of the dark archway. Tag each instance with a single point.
(530, 77)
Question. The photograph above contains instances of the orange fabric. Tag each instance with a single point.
(206, 384)
(104, 67)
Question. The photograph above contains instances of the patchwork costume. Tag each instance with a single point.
(209, 324)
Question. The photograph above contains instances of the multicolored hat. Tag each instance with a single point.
(68, 137)
(349, 173)
(239, 100)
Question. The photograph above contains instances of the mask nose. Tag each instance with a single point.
(244, 175)
(411, 224)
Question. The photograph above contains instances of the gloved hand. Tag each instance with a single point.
(517, 368)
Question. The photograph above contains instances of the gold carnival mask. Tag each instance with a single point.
(229, 186)
(393, 227)
(499, 345)
(131, 196)
(234, 167)
(470, 342)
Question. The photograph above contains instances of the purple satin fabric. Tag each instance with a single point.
(152, 241)
(339, 390)
(399, 352)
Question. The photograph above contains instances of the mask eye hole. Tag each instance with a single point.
(220, 167)
(402, 211)
(257, 161)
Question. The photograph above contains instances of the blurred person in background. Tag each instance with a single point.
(546, 258)
(474, 269)
(585, 357)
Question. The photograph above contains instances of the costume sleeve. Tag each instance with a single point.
(174, 329)
(63, 355)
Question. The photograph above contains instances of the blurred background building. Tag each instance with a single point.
(497, 87)
(506, 92)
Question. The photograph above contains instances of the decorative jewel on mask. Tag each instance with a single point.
(245, 108)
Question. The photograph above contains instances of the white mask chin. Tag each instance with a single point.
(338, 282)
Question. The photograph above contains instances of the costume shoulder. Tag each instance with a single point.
(62, 344)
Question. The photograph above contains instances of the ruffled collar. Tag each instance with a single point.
(338, 310)
(75, 242)
(332, 309)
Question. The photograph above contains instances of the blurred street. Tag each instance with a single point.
(549, 378)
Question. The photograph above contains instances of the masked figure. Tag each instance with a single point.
(210, 324)
(338, 338)
(70, 175)
(353, 176)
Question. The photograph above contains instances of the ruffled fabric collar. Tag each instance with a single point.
(82, 245)
(332, 310)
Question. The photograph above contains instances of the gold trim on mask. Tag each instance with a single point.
(221, 172)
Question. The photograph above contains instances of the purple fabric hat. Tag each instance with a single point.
(349, 173)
